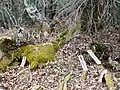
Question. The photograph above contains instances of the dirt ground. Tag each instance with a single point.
(50, 76)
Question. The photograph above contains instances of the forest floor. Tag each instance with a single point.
(50, 76)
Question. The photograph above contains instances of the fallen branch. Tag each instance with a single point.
(90, 52)
(102, 75)
(83, 63)
(23, 61)
(84, 66)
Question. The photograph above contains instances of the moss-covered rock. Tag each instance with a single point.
(4, 62)
(37, 54)
(6, 47)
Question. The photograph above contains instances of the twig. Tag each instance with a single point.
(23, 61)
(22, 71)
(102, 75)
(90, 52)
(83, 63)
(84, 66)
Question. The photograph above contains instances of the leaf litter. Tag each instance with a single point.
(49, 77)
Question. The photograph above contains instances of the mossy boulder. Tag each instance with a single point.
(37, 54)
(4, 62)
(6, 48)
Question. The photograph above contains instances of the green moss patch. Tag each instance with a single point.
(4, 62)
(35, 54)
(109, 82)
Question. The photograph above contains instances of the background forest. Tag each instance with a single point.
(92, 14)
(53, 44)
